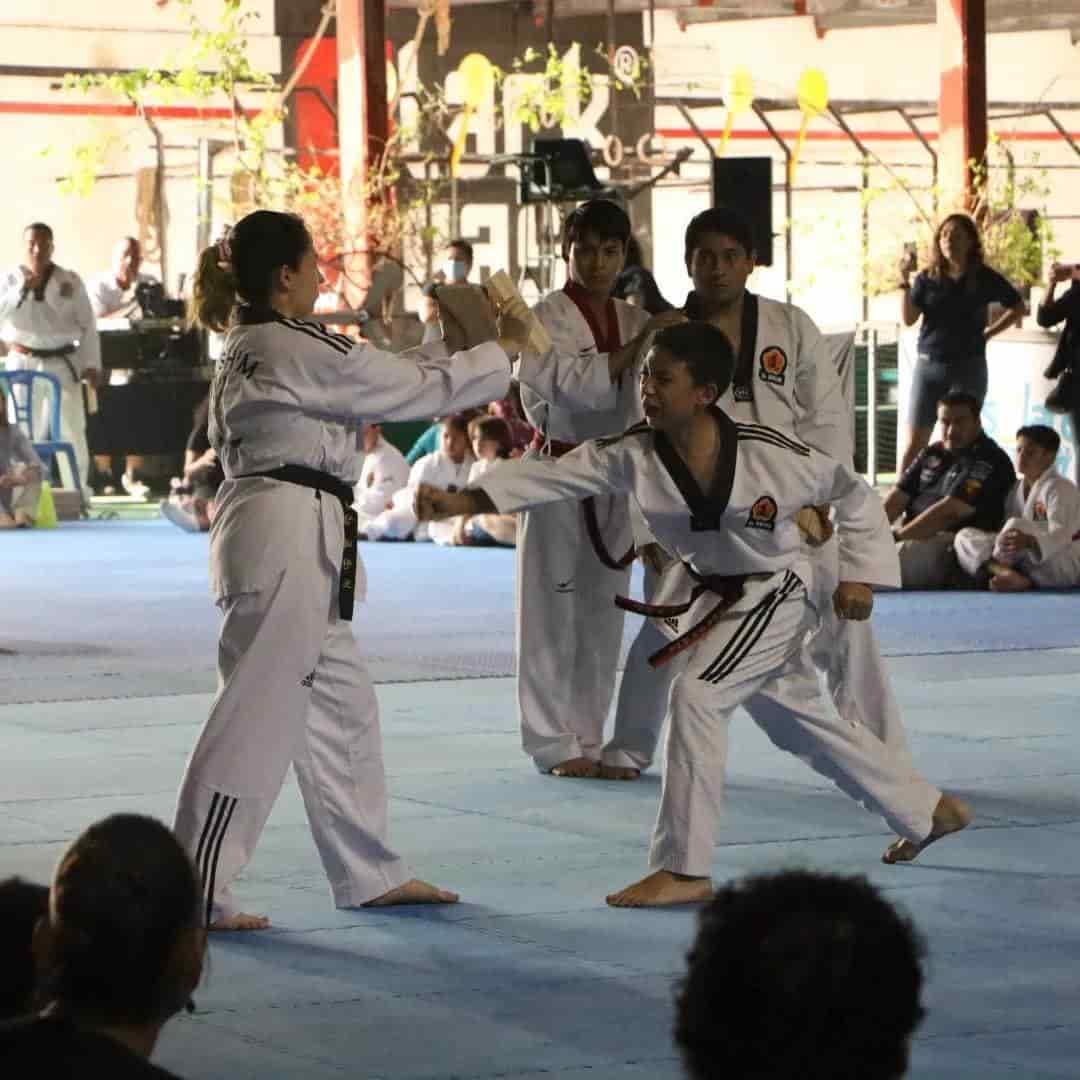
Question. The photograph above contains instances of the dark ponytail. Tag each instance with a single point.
(242, 268)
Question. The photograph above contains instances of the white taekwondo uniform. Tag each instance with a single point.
(383, 472)
(755, 652)
(399, 522)
(1050, 512)
(568, 632)
(292, 687)
(54, 331)
(786, 377)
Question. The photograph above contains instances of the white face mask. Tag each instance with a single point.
(455, 270)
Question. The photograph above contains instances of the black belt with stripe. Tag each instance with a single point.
(729, 589)
(320, 482)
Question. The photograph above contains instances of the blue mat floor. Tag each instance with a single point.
(112, 639)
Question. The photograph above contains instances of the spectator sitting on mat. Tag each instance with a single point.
(21, 473)
(509, 409)
(22, 904)
(491, 444)
(191, 505)
(800, 976)
(119, 954)
(383, 472)
(962, 480)
(448, 467)
(1039, 547)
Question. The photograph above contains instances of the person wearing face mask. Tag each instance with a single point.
(288, 403)
(458, 263)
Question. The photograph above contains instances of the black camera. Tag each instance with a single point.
(154, 304)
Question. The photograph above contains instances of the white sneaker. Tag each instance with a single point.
(175, 513)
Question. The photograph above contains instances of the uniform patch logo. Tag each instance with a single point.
(773, 365)
(743, 393)
(673, 624)
(308, 680)
(1040, 511)
(762, 514)
(972, 488)
(67, 290)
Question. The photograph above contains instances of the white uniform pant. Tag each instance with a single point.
(569, 633)
(844, 651)
(292, 688)
(756, 657)
(974, 547)
(72, 414)
(927, 564)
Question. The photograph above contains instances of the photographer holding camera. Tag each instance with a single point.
(1065, 397)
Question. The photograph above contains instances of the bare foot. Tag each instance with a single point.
(950, 815)
(663, 889)
(241, 921)
(618, 772)
(1008, 580)
(578, 768)
(414, 892)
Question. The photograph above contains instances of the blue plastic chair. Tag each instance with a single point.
(25, 413)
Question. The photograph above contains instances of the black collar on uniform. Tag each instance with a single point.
(706, 510)
(742, 382)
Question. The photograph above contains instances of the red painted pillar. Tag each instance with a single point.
(363, 122)
(962, 127)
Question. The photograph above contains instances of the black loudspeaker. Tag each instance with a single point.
(745, 184)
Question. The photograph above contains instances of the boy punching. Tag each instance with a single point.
(723, 498)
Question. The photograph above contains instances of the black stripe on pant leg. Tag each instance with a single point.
(733, 662)
(207, 831)
(209, 834)
(732, 642)
(748, 634)
(227, 817)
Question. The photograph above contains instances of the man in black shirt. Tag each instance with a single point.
(962, 480)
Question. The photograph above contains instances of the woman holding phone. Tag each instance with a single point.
(951, 297)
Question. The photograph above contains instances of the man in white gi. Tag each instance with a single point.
(723, 498)
(383, 472)
(572, 557)
(112, 292)
(49, 326)
(1039, 547)
(447, 467)
(785, 377)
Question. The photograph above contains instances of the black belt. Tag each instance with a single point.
(61, 353)
(728, 588)
(320, 482)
